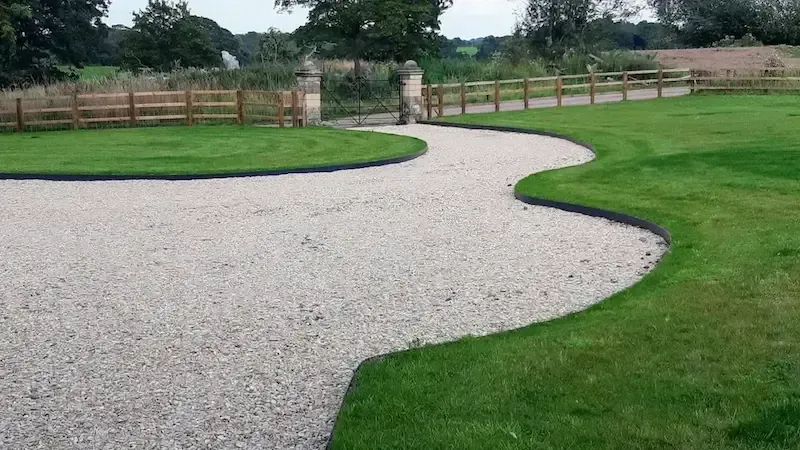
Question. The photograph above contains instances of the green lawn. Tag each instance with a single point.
(469, 51)
(200, 150)
(92, 72)
(702, 354)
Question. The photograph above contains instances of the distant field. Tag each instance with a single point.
(739, 58)
(471, 51)
(93, 72)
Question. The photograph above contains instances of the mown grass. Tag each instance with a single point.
(90, 73)
(469, 51)
(704, 353)
(200, 150)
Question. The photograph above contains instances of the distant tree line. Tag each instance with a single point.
(38, 36)
(549, 28)
(704, 22)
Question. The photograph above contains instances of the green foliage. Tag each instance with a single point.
(454, 70)
(557, 26)
(748, 40)
(469, 51)
(704, 353)
(35, 34)
(222, 39)
(109, 52)
(489, 46)
(702, 23)
(610, 61)
(89, 73)
(165, 36)
(375, 30)
(277, 47)
(267, 77)
(194, 151)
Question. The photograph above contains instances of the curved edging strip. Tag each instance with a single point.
(569, 207)
(320, 169)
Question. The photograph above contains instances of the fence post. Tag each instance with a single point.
(240, 106)
(463, 98)
(189, 108)
(20, 117)
(496, 95)
(526, 92)
(728, 79)
(281, 112)
(660, 83)
(559, 91)
(624, 86)
(76, 114)
(592, 87)
(132, 108)
(693, 81)
(440, 99)
(294, 108)
(428, 98)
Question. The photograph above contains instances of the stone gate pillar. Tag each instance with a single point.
(309, 80)
(411, 91)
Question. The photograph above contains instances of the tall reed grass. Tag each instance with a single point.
(281, 76)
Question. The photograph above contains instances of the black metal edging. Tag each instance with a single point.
(336, 168)
(569, 207)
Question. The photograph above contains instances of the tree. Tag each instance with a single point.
(448, 48)
(705, 22)
(165, 36)
(109, 52)
(373, 29)
(37, 34)
(221, 38)
(250, 43)
(489, 45)
(276, 46)
(556, 26)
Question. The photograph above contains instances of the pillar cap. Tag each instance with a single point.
(307, 68)
(410, 68)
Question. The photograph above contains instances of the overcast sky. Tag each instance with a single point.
(466, 19)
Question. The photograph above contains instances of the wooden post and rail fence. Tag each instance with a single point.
(554, 88)
(132, 109)
(553, 91)
(286, 108)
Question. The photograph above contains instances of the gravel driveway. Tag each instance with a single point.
(231, 313)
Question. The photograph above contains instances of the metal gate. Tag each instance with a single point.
(360, 101)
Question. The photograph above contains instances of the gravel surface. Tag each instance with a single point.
(231, 313)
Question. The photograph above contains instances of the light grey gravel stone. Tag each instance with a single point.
(231, 313)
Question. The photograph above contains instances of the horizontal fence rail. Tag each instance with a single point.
(763, 80)
(130, 109)
(556, 88)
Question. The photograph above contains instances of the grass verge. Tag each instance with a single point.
(201, 150)
(704, 353)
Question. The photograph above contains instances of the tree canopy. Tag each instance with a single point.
(38, 33)
(373, 29)
(555, 26)
(166, 36)
(702, 23)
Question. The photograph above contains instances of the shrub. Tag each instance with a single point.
(455, 70)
